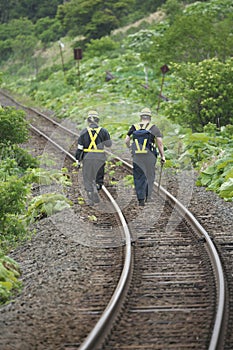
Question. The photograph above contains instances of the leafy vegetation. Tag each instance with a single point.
(219, 177)
(31, 9)
(46, 205)
(18, 206)
(128, 181)
(203, 94)
(9, 274)
(19, 173)
(13, 126)
(201, 31)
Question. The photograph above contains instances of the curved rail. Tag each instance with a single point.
(101, 328)
(103, 324)
(94, 338)
(215, 261)
(216, 333)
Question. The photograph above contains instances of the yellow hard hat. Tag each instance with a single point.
(93, 114)
(145, 112)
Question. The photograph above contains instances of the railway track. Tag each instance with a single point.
(172, 288)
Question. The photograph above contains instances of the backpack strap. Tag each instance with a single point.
(143, 146)
(92, 146)
(140, 126)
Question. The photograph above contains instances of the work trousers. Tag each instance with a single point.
(144, 174)
(93, 173)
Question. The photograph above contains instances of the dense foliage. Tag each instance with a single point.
(34, 10)
(18, 207)
(18, 171)
(201, 31)
(211, 153)
(13, 126)
(29, 21)
(9, 274)
(203, 93)
(31, 9)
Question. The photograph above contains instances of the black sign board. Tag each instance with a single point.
(78, 54)
(164, 69)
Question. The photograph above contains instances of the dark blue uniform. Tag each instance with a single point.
(144, 163)
(90, 150)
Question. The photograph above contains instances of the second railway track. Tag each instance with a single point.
(175, 296)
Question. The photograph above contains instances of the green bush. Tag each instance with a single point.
(13, 126)
(9, 274)
(218, 177)
(46, 205)
(48, 30)
(17, 207)
(101, 47)
(24, 159)
(13, 199)
(21, 158)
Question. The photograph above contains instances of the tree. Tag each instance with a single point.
(17, 37)
(204, 93)
(5, 10)
(200, 32)
(148, 6)
(31, 9)
(173, 8)
(102, 22)
(192, 39)
(93, 18)
(10, 30)
(224, 38)
(48, 30)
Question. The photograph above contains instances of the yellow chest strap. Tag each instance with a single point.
(92, 146)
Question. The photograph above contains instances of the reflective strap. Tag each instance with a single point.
(93, 150)
(143, 150)
(92, 146)
(138, 127)
(147, 127)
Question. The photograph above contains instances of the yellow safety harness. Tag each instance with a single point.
(142, 147)
(92, 146)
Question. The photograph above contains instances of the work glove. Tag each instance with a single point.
(163, 160)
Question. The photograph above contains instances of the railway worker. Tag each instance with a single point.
(145, 135)
(90, 151)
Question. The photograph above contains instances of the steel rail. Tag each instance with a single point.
(40, 133)
(220, 282)
(216, 262)
(96, 336)
(40, 113)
